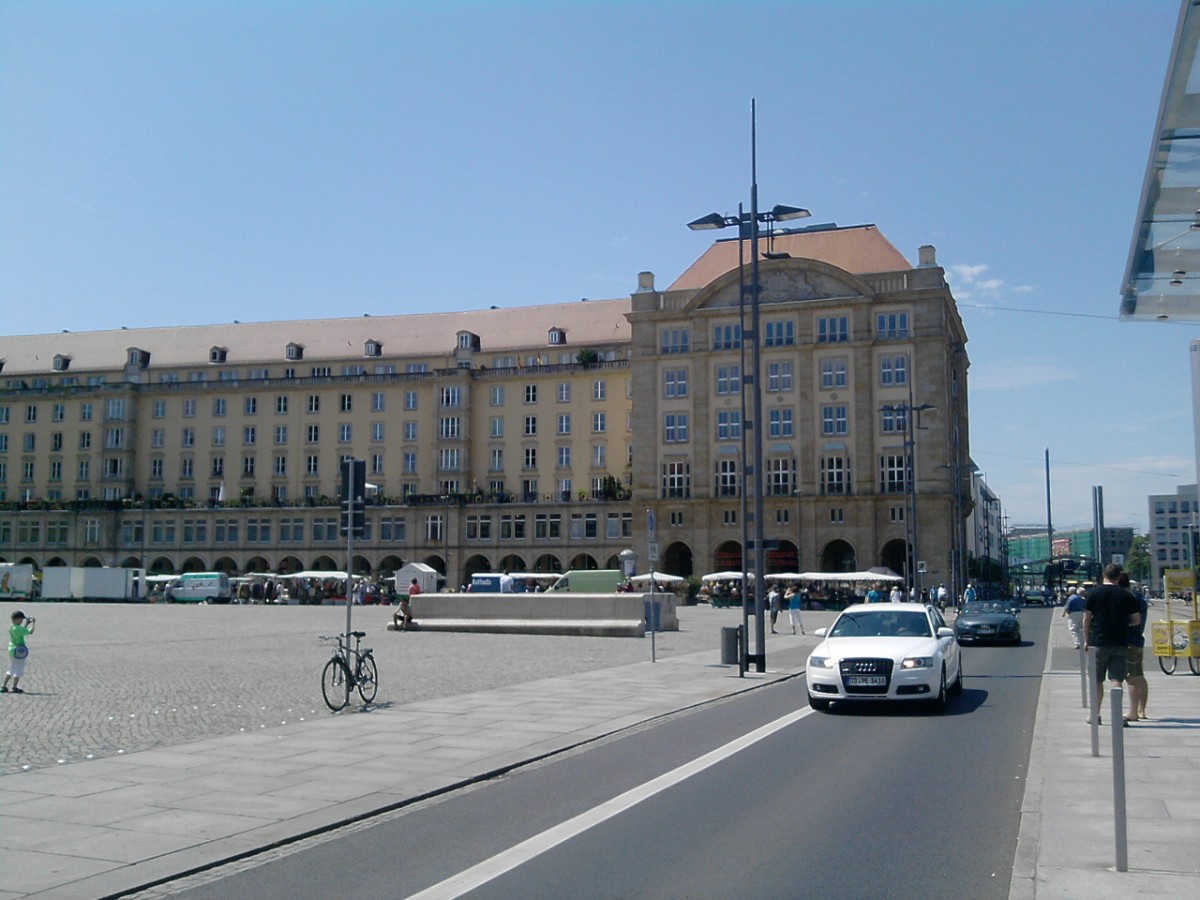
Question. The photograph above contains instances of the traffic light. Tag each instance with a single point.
(353, 496)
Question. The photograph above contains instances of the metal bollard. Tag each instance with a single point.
(1083, 677)
(1094, 700)
(1116, 707)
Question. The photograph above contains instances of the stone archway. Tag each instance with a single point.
(893, 556)
(839, 556)
(324, 564)
(727, 557)
(584, 561)
(255, 564)
(162, 566)
(512, 562)
(677, 560)
(193, 564)
(785, 558)
(289, 564)
(547, 562)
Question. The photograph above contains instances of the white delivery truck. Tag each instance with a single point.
(93, 583)
(200, 587)
(16, 581)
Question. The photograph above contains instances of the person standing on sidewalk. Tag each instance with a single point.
(1073, 611)
(1109, 612)
(793, 603)
(1139, 689)
(774, 596)
(18, 653)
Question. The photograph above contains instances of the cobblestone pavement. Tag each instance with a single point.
(105, 679)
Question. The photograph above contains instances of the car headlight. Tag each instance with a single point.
(820, 662)
(917, 662)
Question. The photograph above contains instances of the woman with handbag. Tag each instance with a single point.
(18, 653)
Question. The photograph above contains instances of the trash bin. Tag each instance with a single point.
(731, 645)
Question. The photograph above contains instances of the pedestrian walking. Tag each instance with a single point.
(1073, 610)
(1135, 674)
(18, 652)
(1109, 612)
(773, 598)
(792, 596)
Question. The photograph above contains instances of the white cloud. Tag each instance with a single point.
(967, 274)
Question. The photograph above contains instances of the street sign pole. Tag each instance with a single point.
(354, 490)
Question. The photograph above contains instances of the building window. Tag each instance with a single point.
(496, 426)
(675, 383)
(833, 329)
(833, 420)
(448, 458)
(531, 393)
(497, 459)
(676, 480)
(345, 432)
(530, 458)
(779, 376)
(218, 435)
(835, 475)
(451, 397)
(727, 337)
(599, 422)
(410, 430)
(280, 465)
(497, 395)
(312, 434)
(530, 426)
(729, 424)
(893, 370)
(599, 456)
(779, 333)
(314, 403)
(248, 462)
(312, 465)
(564, 457)
(675, 428)
(376, 432)
(564, 423)
(833, 373)
(894, 420)
(600, 390)
(837, 515)
(450, 428)
(890, 326)
(564, 392)
(675, 340)
(727, 477)
(729, 379)
(780, 423)
(281, 405)
(781, 476)
(891, 473)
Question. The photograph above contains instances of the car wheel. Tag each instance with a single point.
(940, 702)
(957, 687)
(820, 704)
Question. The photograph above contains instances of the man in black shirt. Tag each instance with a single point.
(1109, 612)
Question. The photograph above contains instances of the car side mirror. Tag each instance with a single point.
(821, 632)
(943, 631)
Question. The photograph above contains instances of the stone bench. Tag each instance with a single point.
(597, 615)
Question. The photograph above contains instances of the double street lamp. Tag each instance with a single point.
(911, 416)
(747, 223)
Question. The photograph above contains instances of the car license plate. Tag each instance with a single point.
(866, 680)
(986, 629)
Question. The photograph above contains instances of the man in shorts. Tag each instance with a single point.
(1135, 673)
(1109, 612)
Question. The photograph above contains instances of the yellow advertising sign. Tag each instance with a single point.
(1178, 581)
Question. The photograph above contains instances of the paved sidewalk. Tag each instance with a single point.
(1066, 846)
(103, 826)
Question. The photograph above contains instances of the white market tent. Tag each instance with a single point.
(660, 577)
(724, 576)
(845, 576)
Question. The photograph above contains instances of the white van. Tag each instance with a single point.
(200, 587)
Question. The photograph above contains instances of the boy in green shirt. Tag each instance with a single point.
(18, 653)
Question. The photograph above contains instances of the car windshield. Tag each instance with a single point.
(881, 623)
(974, 609)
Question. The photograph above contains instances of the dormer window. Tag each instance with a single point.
(295, 351)
(372, 348)
(139, 358)
(558, 336)
(217, 354)
(61, 362)
(468, 341)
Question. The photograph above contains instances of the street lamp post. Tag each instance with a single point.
(911, 414)
(754, 470)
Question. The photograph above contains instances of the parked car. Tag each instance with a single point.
(990, 621)
(885, 651)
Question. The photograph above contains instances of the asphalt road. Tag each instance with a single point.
(872, 801)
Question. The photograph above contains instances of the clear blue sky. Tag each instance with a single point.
(195, 162)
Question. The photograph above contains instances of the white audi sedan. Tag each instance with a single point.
(885, 651)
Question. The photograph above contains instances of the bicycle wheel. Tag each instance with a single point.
(1167, 664)
(368, 678)
(1194, 664)
(335, 684)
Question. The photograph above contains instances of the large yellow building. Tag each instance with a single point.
(527, 438)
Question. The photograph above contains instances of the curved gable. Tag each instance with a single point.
(784, 281)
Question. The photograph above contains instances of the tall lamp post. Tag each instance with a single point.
(911, 413)
(753, 474)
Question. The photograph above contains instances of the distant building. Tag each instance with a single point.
(1029, 552)
(1174, 523)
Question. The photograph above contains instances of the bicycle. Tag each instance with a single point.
(338, 678)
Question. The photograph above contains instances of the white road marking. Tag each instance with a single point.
(469, 879)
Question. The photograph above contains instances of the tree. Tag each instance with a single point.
(1137, 563)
